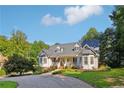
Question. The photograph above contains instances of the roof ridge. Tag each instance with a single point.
(66, 43)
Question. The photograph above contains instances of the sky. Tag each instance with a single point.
(54, 24)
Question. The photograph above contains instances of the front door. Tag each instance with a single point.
(75, 61)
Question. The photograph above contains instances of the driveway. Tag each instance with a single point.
(48, 81)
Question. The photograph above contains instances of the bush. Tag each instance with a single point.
(38, 70)
(71, 70)
(18, 64)
(104, 68)
(49, 69)
(2, 72)
(59, 71)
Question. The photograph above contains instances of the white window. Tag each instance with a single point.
(91, 60)
(80, 59)
(45, 60)
(40, 59)
(74, 59)
(86, 60)
(76, 47)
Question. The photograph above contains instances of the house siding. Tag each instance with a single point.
(89, 65)
(48, 62)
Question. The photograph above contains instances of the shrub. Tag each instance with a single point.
(71, 70)
(104, 68)
(74, 67)
(38, 70)
(49, 69)
(2, 72)
(59, 71)
(18, 64)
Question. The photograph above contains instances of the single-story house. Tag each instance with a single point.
(69, 55)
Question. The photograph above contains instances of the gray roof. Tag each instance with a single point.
(68, 49)
(85, 51)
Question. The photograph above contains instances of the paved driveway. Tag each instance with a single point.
(48, 81)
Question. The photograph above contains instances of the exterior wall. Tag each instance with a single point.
(69, 62)
(48, 62)
(89, 65)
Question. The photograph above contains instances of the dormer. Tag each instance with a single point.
(58, 49)
(76, 47)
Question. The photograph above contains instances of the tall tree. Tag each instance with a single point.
(91, 34)
(118, 22)
(20, 44)
(107, 49)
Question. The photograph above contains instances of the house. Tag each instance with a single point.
(69, 55)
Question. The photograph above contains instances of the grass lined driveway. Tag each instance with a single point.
(47, 81)
(105, 79)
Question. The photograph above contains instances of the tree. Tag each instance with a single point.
(118, 22)
(22, 55)
(107, 49)
(19, 43)
(91, 34)
(19, 64)
(57, 44)
(36, 48)
(5, 46)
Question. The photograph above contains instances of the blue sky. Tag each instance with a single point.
(54, 24)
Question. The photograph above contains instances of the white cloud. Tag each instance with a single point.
(77, 14)
(51, 20)
(73, 15)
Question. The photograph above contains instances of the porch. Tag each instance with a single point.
(63, 62)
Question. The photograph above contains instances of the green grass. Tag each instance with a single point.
(114, 77)
(8, 84)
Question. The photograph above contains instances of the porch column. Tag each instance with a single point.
(88, 58)
(65, 64)
(89, 65)
(78, 63)
(58, 65)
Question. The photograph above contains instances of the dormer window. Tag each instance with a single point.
(76, 47)
(59, 49)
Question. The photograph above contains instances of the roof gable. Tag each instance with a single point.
(87, 50)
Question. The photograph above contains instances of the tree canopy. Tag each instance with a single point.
(22, 55)
(91, 34)
(118, 22)
(114, 38)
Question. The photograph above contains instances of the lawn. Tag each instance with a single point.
(112, 78)
(8, 84)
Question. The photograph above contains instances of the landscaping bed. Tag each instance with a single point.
(101, 79)
(8, 84)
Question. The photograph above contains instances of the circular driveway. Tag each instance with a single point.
(47, 81)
